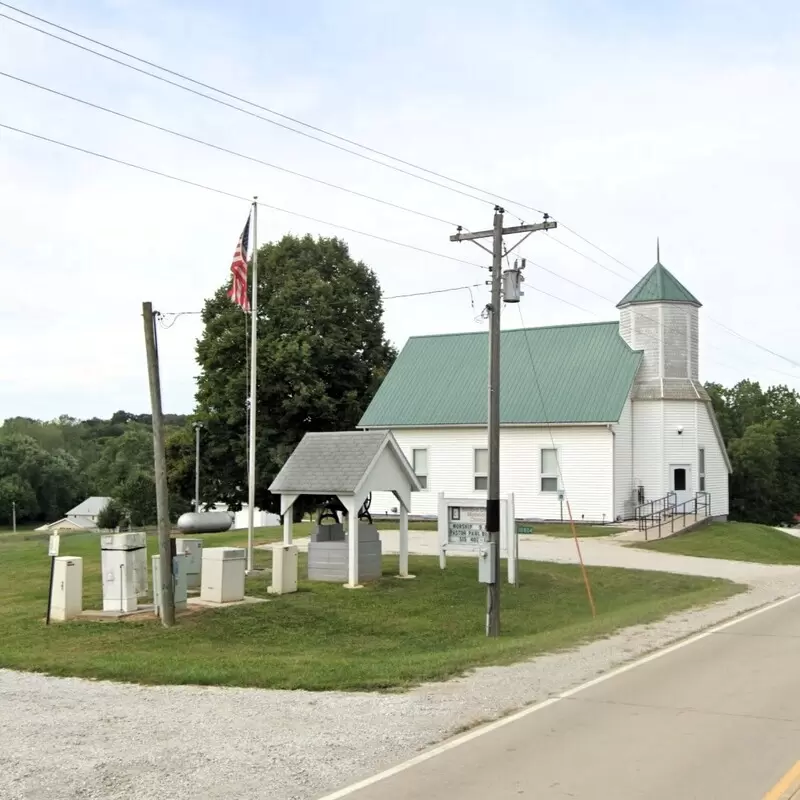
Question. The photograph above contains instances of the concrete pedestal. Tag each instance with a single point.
(66, 599)
(284, 569)
(222, 577)
(329, 560)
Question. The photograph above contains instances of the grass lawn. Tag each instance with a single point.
(736, 541)
(564, 529)
(391, 634)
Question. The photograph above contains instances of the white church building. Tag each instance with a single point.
(605, 415)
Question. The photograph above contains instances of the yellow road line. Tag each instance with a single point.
(789, 782)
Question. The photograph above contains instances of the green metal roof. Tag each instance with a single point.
(585, 373)
(659, 285)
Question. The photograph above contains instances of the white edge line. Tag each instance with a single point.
(500, 723)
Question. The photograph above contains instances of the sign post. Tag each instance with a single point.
(52, 551)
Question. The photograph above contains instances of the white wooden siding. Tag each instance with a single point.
(694, 347)
(646, 336)
(657, 444)
(716, 468)
(624, 501)
(680, 448)
(676, 341)
(585, 456)
(648, 446)
(668, 335)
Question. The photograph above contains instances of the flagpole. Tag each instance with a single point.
(251, 466)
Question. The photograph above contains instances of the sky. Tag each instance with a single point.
(625, 121)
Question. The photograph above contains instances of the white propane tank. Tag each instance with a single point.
(205, 522)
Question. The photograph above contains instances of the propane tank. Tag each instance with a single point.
(205, 522)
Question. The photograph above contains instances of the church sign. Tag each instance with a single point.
(462, 529)
(466, 525)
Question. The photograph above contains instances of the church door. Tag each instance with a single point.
(681, 482)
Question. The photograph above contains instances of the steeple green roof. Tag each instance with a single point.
(659, 285)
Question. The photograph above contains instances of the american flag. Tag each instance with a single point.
(238, 290)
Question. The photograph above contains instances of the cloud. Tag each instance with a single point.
(626, 124)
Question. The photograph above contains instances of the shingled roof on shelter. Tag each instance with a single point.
(335, 463)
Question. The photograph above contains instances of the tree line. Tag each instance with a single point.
(761, 429)
(48, 467)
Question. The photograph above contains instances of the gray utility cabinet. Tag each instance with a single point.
(328, 556)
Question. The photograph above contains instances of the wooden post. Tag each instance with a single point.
(352, 544)
(160, 463)
(403, 541)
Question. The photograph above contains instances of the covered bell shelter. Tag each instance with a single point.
(349, 465)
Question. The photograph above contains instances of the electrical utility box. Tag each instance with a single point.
(66, 600)
(487, 565)
(512, 286)
(222, 576)
(284, 569)
(179, 563)
(192, 550)
(120, 554)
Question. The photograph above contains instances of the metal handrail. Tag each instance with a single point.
(700, 502)
(653, 506)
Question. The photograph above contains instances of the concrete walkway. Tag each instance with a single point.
(601, 551)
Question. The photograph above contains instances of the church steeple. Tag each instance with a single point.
(659, 285)
(659, 317)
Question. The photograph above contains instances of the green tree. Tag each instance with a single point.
(14, 489)
(322, 353)
(754, 458)
(110, 515)
(137, 496)
(54, 479)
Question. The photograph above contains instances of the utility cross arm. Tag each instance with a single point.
(539, 226)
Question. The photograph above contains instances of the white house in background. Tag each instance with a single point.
(261, 519)
(605, 415)
(81, 518)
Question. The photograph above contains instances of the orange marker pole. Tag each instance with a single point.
(583, 566)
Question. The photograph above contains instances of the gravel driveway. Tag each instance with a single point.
(70, 738)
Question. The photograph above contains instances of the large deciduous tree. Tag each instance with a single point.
(322, 353)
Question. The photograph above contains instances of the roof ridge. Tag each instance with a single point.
(515, 330)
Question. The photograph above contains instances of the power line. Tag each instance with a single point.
(596, 247)
(239, 99)
(755, 343)
(560, 299)
(330, 144)
(436, 291)
(589, 258)
(641, 315)
(711, 319)
(222, 149)
(234, 196)
(234, 107)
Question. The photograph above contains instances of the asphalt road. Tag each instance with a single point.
(718, 718)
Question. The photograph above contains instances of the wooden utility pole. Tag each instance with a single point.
(160, 461)
(493, 495)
